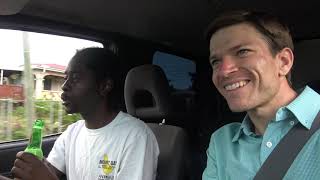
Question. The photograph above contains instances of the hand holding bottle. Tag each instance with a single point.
(29, 167)
(30, 164)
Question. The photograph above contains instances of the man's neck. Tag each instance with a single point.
(261, 116)
(99, 118)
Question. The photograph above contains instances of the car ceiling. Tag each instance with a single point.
(177, 23)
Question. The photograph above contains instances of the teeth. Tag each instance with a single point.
(235, 85)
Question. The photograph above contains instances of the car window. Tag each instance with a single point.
(32, 69)
(179, 71)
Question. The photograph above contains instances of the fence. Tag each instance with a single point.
(14, 126)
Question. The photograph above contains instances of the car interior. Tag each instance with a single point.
(137, 31)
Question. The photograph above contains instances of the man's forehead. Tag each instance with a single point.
(220, 48)
(219, 41)
(76, 64)
(231, 37)
(75, 67)
(228, 47)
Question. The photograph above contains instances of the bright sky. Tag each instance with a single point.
(43, 48)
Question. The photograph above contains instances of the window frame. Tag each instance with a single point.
(44, 26)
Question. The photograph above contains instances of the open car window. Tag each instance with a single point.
(46, 56)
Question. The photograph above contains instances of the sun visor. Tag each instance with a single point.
(10, 7)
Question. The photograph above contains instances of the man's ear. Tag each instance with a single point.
(286, 59)
(105, 87)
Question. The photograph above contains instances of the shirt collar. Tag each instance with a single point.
(304, 108)
(245, 128)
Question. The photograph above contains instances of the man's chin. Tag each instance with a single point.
(69, 110)
(237, 107)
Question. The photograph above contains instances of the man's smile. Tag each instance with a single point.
(235, 85)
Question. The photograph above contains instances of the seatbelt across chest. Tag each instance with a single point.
(277, 164)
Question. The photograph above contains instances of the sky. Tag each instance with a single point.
(44, 49)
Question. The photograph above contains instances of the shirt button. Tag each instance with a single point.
(269, 144)
(291, 123)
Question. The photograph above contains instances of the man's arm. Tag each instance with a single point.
(56, 158)
(53, 169)
(29, 167)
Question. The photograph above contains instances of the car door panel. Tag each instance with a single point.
(9, 150)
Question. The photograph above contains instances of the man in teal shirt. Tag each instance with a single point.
(251, 55)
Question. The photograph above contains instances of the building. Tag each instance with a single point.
(47, 85)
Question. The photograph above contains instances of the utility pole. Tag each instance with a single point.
(1, 77)
(28, 83)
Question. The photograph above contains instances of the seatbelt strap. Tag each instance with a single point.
(277, 164)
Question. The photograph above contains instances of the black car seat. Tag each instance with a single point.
(315, 85)
(147, 97)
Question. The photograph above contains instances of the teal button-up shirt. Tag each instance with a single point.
(237, 153)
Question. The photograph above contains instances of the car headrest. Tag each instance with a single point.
(146, 93)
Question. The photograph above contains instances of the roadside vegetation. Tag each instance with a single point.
(16, 127)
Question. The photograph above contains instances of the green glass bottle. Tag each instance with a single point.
(35, 143)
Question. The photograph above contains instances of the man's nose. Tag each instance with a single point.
(65, 85)
(227, 66)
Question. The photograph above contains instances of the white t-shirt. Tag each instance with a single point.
(125, 149)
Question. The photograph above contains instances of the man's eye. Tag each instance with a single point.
(243, 52)
(74, 76)
(214, 62)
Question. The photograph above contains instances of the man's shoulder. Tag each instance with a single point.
(127, 119)
(226, 132)
(132, 124)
